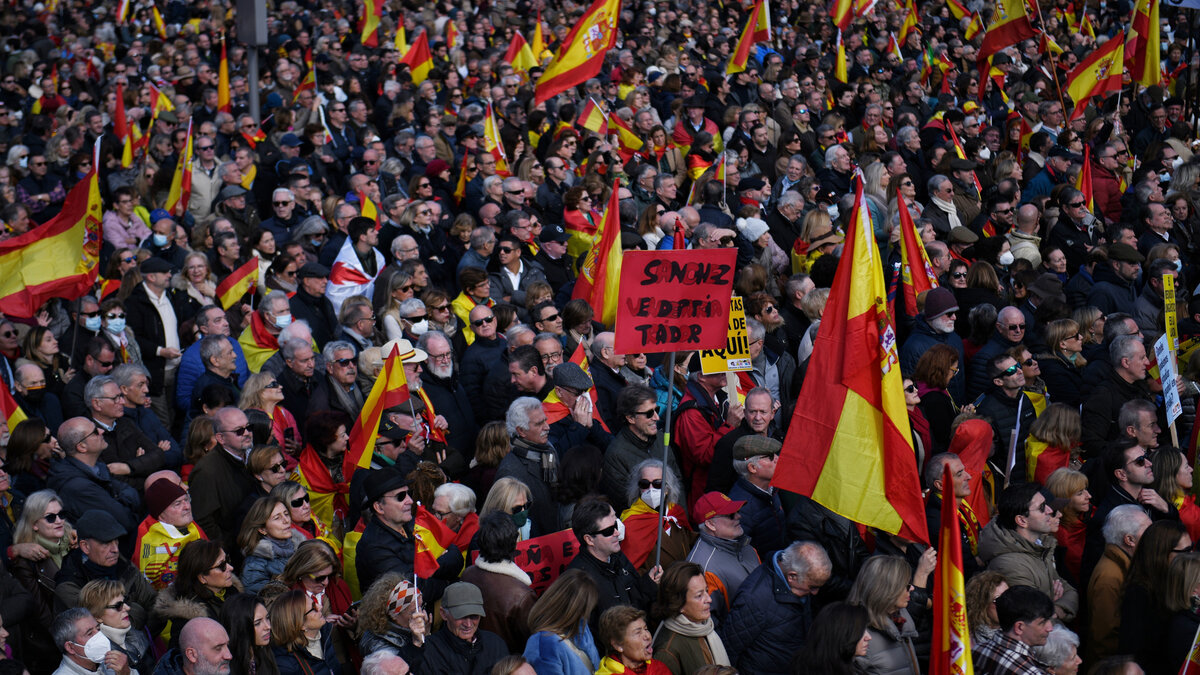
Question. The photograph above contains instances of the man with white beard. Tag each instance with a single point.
(446, 393)
(935, 326)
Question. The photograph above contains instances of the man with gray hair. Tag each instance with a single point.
(1123, 529)
(772, 614)
(260, 339)
(754, 459)
(220, 365)
(341, 391)
(483, 243)
(838, 170)
(220, 481)
(84, 482)
(785, 221)
(384, 662)
(533, 461)
(1102, 408)
(129, 454)
(210, 320)
(300, 386)
(441, 383)
(75, 628)
(454, 505)
(606, 366)
(284, 217)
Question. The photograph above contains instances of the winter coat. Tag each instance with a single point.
(218, 483)
(75, 573)
(179, 610)
(762, 517)
(381, 549)
(550, 655)
(730, 561)
(618, 583)
(1025, 563)
(479, 358)
(623, 453)
(1102, 407)
(265, 563)
(809, 521)
(507, 599)
(891, 650)
(446, 654)
(83, 489)
(920, 340)
(524, 463)
(768, 623)
(1064, 382)
(978, 381)
(1110, 293)
(681, 654)
(1002, 411)
(1105, 591)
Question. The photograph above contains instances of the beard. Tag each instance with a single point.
(942, 324)
(442, 373)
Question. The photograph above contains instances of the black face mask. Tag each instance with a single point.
(35, 396)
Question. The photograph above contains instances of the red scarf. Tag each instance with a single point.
(262, 336)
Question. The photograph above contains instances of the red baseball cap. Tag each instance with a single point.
(713, 504)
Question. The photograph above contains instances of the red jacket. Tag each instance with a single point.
(697, 430)
(1106, 189)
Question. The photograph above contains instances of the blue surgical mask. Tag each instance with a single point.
(160, 240)
(116, 326)
(92, 323)
(283, 320)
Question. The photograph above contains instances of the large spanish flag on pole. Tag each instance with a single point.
(951, 653)
(1010, 24)
(57, 259)
(1143, 55)
(369, 25)
(600, 275)
(224, 101)
(1098, 74)
(519, 55)
(582, 51)
(390, 390)
(850, 448)
(181, 185)
(916, 273)
(758, 29)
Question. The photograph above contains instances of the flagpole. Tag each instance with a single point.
(677, 244)
(1053, 62)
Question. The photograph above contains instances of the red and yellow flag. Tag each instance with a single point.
(842, 13)
(159, 26)
(1083, 182)
(593, 118)
(1010, 25)
(13, 415)
(1143, 54)
(181, 184)
(553, 406)
(519, 55)
(951, 652)
(582, 52)
(916, 273)
(419, 59)
(369, 25)
(974, 27)
(401, 40)
(433, 538)
(158, 100)
(309, 83)
(539, 42)
(850, 448)
(1099, 73)
(460, 188)
(758, 29)
(696, 166)
(123, 11)
(912, 19)
(368, 208)
(57, 259)
(628, 143)
(600, 275)
(452, 38)
(121, 127)
(224, 101)
(957, 9)
(840, 71)
(390, 390)
(491, 142)
(238, 283)
(958, 149)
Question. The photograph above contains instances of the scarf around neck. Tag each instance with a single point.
(950, 210)
(707, 630)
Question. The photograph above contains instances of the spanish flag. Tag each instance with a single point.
(911, 19)
(1083, 182)
(460, 188)
(840, 71)
(974, 27)
(916, 273)
(368, 208)
(433, 538)
(401, 38)
(257, 343)
(539, 42)
(696, 166)
(519, 55)
(123, 11)
(958, 149)
(628, 143)
(600, 274)
(239, 282)
(1010, 25)
(57, 259)
(1143, 57)
(553, 406)
(159, 100)
(1099, 73)
(758, 29)
(419, 59)
(309, 83)
(452, 38)
(159, 26)
(390, 390)
(957, 9)
(181, 184)
(582, 52)
(842, 13)
(850, 448)
(12, 412)
(491, 142)
(369, 25)
(951, 649)
(223, 99)
(593, 118)
(121, 128)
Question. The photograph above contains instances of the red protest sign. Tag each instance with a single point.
(544, 558)
(673, 300)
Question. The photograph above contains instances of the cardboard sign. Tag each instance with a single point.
(1169, 311)
(1167, 374)
(735, 354)
(544, 558)
(674, 300)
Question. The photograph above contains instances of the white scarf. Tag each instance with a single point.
(115, 635)
(707, 630)
(950, 210)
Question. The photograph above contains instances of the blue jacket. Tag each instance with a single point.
(1041, 185)
(1111, 293)
(191, 368)
(762, 518)
(83, 488)
(920, 340)
(548, 655)
(768, 623)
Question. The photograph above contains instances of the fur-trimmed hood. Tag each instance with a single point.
(506, 567)
(169, 605)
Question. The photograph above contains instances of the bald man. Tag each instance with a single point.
(204, 648)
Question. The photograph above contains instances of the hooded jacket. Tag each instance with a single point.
(1110, 293)
(1027, 563)
(729, 560)
(768, 623)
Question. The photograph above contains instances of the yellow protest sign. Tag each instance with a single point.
(1169, 312)
(736, 354)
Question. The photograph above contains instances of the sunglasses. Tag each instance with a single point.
(1015, 326)
(117, 606)
(477, 322)
(320, 579)
(521, 508)
(273, 384)
(506, 249)
(606, 532)
(53, 517)
(276, 468)
(959, 275)
(644, 484)
(223, 565)
(299, 501)
(343, 362)
(552, 317)
(237, 431)
(912, 389)
(1143, 460)
(1029, 362)
(285, 203)
(1076, 205)
(1011, 370)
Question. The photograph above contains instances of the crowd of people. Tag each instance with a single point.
(175, 493)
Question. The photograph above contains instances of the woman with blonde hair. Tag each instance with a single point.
(1183, 601)
(1053, 442)
(1062, 366)
(1173, 482)
(263, 391)
(561, 641)
(391, 617)
(196, 280)
(882, 588)
(105, 599)
(1071, 485)
(41, 540)
(981, 593)
(315, 569)
(1091, 323)
(300, 637)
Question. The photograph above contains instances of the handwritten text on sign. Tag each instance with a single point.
(673, 300)
(544, 558)
(735, 355)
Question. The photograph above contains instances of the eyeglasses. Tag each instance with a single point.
(203, 148)
(299, 501)
(118, 605)
(552, 357)
(237, 431)
(644, 484)
(273, 384)
(9, 334)
(416, 319)
(479, 322)
(552, 317)
(441, 308)
(320, 579)
(222, 566)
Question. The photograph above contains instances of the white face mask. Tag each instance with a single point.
(652, 497)
(420, 328)
(620, 530)
(1006, 258)
(96, 648)
(833, 212)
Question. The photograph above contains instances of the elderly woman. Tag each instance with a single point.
(105, 599)
(1059, 655)
(391, 617)
(196, 280)
(267, 540)
(647, 487)
(882, 588)
(627, 643)
(507, 596)
(510, 496)
(687, 639)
